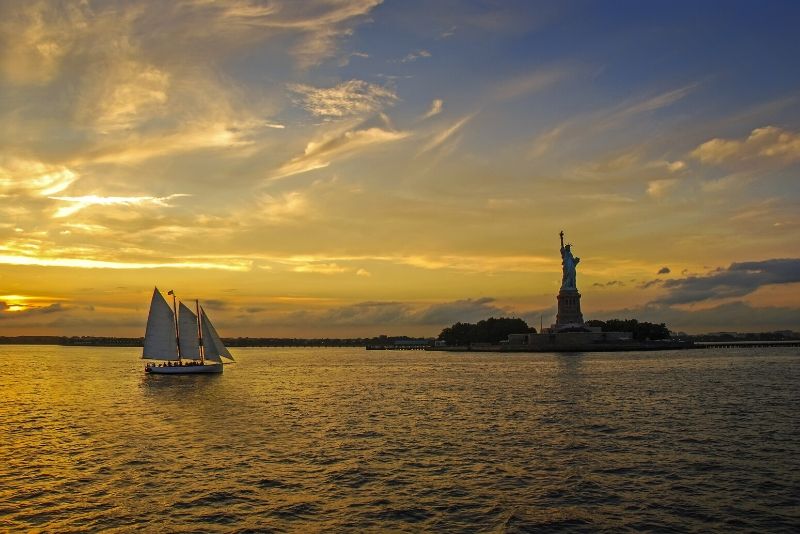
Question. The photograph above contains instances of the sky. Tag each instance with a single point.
(346, 168)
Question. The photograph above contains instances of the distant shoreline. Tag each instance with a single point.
(101, 341)
(381, 342)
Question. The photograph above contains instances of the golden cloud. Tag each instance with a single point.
(79, 203)
(29, 177)
(768, 142)
(441, 137)
(353, 97)
(319, 154)
(435, 109)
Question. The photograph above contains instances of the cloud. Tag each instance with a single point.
(660, 188)
(81, 263)
(413, 56)
(612, 283)
(321, 25)
(215, 304)
(738, 280)
(363, 272)
(380, 313)
(768, 142)
(125, 93)
(9, 312)
(313, 28)
(133, 93)
(29, 177)
(466, 310)
(133, 147)
(530, 83)
(338, 145)
(435, 109)
(320, 268)
(288, 207)
(43, 35)
(451, 31)
(737, 316)
(726, 183)
(80, 203)
(664, 270)
(361, 314)
(440, 138)
(604, 120)
(354, 97)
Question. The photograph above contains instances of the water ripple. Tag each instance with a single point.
(326, 440)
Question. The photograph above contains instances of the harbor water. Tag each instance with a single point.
(348, 440)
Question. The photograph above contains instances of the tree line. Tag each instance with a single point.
(491, 330)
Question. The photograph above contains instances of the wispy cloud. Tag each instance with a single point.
(451, 31)
(354, 97)
(320, 268)
(435, 109)
(606, 119)
(80, 203)
(316, 26)
(79, 263)
(134, 147)
(124, 93)
(320, 153)
(531, 83)
(413, 56)
(441, 137)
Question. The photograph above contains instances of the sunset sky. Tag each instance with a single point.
(358, 167)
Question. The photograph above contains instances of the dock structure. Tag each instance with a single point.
(746, 344)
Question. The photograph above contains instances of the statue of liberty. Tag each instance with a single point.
(568, 264)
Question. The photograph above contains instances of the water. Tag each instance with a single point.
(348, 440)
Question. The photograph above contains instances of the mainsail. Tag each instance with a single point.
(213, 348)
(187, 328)
(159, 337)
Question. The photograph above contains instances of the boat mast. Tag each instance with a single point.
(175, 315)
(200, 334)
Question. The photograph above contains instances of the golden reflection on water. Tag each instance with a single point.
(344, 439)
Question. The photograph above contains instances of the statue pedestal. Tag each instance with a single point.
(569, 308)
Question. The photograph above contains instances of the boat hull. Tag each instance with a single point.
(184, 369)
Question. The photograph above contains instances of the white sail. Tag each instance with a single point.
(187, 328)
(213, 348)
(159, 337)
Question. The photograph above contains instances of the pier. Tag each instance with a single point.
(746, 344)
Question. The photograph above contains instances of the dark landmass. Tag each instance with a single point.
(95, 341)
(74, 340)
(378, 341)
(780, 335)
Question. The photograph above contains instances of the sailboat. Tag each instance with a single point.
(183, 341)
